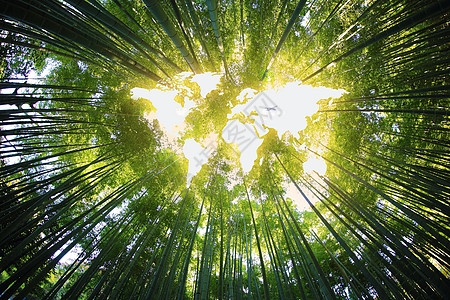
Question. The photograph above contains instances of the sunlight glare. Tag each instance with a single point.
(284, 109)
(168, 112)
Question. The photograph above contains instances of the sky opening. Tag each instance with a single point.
(284, 109)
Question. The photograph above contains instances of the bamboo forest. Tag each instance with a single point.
(225, 149)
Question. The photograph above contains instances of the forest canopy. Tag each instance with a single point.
(224, 149)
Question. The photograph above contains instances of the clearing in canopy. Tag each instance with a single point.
(224, 149)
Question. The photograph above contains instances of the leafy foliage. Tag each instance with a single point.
(84, 174)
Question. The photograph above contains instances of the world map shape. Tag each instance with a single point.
(283, 109)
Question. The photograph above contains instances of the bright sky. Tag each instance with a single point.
(197, 154)
(283, 109)
(169, 113)
(207, 81)
(171, 116)
(246, 139)
(312, 165)
(315, 164)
